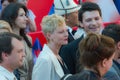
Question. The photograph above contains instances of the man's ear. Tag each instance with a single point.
(81, 24)
(48, 35)
(4, 55)
(104, 62)
(118, 45)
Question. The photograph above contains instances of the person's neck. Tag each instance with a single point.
(16, 30)
(117, 55)
(99, 72)
(90, 69)
(69, 24)
(55, 48)
(102, 71)
(7, 66)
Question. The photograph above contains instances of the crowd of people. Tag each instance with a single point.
(92, 52)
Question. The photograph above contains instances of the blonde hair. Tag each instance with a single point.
(51, 22)
(5, 25)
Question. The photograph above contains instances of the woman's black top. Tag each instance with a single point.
(64, 67)
(83, 75)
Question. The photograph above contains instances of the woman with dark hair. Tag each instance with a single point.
(31, 26)
(15, 15)
(96, 56)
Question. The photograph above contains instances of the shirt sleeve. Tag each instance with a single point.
(42, 70)
(2, 78)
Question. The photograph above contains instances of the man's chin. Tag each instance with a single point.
(95, 31)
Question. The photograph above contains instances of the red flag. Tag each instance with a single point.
(40, 9)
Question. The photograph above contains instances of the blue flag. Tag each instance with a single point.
(51, 10)
(117, 4)
(37, 47)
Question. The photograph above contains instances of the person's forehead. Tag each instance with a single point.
(14, 41)
(5, 2)
(91, 13)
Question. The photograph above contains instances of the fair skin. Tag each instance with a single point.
(20, 22)
(92, 21)
(15, 59)
(72, 19)
(31, 23)
(105, 65)
(4, 4)
(117, 52)
(58, 38)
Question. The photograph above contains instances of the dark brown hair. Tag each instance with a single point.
(113, 31)
(94, 49)
(88, 6)
(6, 42)
(10, 14)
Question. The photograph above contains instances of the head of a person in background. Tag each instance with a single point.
(96, 53)
(113, 31)
(90, 17)
(15, 15)
(6, 2)
(54, 29)
(25, 2)
(68, 9)
(12, 51)
(5, 26)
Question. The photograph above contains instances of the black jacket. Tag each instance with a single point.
(83, 75)
(69, 54)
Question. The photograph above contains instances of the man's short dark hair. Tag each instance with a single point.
(113, 31)
(6, 42)
(88, 6)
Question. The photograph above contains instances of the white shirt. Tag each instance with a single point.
(47, 67)
(79, 33)
(6, 75)
(70, 30)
